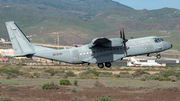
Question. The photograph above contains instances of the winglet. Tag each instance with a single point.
(21, 44)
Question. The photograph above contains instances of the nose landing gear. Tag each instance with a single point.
(158, 56)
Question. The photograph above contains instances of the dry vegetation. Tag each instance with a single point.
(84, 83)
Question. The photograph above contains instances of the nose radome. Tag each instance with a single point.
(171, 45)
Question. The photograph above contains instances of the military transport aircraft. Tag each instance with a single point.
(101, 50)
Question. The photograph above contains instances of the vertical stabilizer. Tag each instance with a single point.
(133, 59)
(21, 45)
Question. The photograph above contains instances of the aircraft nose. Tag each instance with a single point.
(171, 45)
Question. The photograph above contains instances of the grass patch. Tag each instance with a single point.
(12, 89)
(106, 99)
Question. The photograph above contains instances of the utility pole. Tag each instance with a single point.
(58, 40)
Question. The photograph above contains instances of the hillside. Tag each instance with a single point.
(71, 8)
(79, 21)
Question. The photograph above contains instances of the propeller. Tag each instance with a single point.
(122, 36)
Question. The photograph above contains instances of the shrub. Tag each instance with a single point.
(156, 77)
(9, 70)
(106, 73)
(145, 76)
(139, 72)
(79, 99)
(102, 75)
(65, 82)
(143, 79)
(105, 99)
(73, 90)
(94, 72)
(5, 99)
(172, 78)
(36, 75)
(65, 76)
(98, 84)
(13, 75)
(162, 79)
(167, 73)
(12, 89)
(117, 75)
(124, 73)
(45, 74)
(75, 82)
(70, 74)
(8, 77)
(126, 76)
(173, 88)
(50, 70)
(27, 75)
(49, 86)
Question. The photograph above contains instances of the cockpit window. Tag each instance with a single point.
(157, 40)
(161, 39)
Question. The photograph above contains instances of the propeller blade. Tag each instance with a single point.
(120, 34)
(124, 41)
(125, 50)
(123, 34)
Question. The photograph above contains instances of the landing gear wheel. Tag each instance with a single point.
(158, 56)
(100, 65)
(108, 64)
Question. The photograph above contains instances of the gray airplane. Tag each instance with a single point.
(101, 50)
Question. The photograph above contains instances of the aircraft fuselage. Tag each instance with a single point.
(101, 54)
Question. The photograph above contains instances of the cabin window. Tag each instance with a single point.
(84, 53)
(87, 53)
(80, 53)
(104, 50)
(107, 50)
(90, 52)
(94, 52)
(117, 48)
(110, 49)
(114, 49)
(97, 51)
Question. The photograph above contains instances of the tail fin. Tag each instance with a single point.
(21, 45)
(133, 59)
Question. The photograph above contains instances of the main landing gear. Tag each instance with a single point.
(107, 64)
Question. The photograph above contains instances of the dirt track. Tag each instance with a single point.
(65, 94)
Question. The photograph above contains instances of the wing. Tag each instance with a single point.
(104, 58)
(99, 41)
(105, 42)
